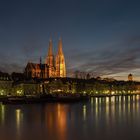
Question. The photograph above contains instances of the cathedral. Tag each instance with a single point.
(54, 66)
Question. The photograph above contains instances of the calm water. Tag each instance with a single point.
(115, 118)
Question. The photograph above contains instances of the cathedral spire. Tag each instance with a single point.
(50, 57)
(60, 51)
(50, 52)
(60, 61)
(50, 60)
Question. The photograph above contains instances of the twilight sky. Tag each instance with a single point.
(99, 36)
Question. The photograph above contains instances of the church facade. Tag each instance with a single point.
(54, 66)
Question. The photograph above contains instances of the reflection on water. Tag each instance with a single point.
(2, 112)
(84, 112)
(19, 117)
(54, 118)
(100, 118)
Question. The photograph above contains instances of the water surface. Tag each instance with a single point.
(115, 118)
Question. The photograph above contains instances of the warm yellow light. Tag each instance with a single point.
(112, 92)
(19, 92)
(84, 112)
(1, 92)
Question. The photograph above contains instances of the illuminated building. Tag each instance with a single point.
(52, 67)
(26, 88)
(50, 60)
(60, 61)
(130, 77)
(34, 70)
(5, 84)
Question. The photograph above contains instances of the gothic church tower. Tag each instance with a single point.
(60, 61)
(50, 60)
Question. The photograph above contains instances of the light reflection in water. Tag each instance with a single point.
(19, 117)
(107, 100)
(56, 119)
(113, 99)
(107, 110)
(119, 106)
(124, 104)
(137, 105)
(113, 107)
(96, 110)
(58, 110)
(92, 101)
(116, 108)
(129, 99)
(92, 105)
(124, 98)
(2, 110)
(84, 112)
(128, 105)
(61, 119)
(96, 100)
(64, 121)
(120, 99)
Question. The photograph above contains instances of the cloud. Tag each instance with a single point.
(113, 59)
(11, 67)
(108, 59)
(11, 63)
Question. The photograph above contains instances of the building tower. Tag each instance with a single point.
(60, 61)
(50, 60)
(130, 77)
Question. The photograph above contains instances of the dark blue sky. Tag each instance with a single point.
(99, 36)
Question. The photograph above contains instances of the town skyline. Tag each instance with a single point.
(102, 37)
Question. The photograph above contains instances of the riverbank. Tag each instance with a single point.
(45, 98)
(66, 98)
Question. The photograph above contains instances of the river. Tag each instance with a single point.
(114, 118)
